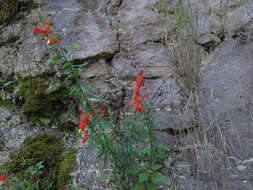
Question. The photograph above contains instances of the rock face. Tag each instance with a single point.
(226, 106)
(202, 104)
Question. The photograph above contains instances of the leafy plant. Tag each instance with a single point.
(128, 144)
(27, 181)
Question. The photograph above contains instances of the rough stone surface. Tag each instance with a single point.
(226, 106)
(123, 37)
(153, 58)
(217, 18)
(14, 131)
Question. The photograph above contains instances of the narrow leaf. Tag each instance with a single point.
(83, 65)
(158, 177)
(152, 186)
(143, 177)
(105, 177)
(156, 167)
(139, 186)
(54, 60)
(9, 83)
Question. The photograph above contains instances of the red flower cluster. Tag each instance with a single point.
(137, 99)
(39, 30)
(53, 40)
(2, 179)
(85, 118)
(47, 30)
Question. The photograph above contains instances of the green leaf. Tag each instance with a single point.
(77, 46)
(106, 124)
(156, 167)
(84, 85)
(66, 65)
(138, 186)
(93, 98)
(68, 77)
(151, 186)
(133, 170)
(163, 147)
(73, 89)
(83, 65)
(158, 177)
(54, 60)
(143, 177)
(8, 83)
(106, 177)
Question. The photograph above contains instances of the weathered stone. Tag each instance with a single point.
(29, 63)
(212, 159)
(90, 170)
(152, 58)
(8, 58)
(217, 18)
(226, 104)
(138, 23)
(77, 25)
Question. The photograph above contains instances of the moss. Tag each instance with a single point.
(7, 10)
(65, 167)
(48, 149)
(67, 126)
(38, 102)
(8, 104)
(2, 143)
(9, 40)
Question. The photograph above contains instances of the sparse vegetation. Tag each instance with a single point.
(42, 163)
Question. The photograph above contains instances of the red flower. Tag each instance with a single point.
(84, 120)
(139, 79)
(48, 25)
(137, 91)
(137, 99)
(2, 179)
(84, 139)
(139, 107)
(42, 30)
(85, 136)
(53, 40)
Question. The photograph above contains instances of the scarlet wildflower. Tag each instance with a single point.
(38, 30)
(53, 40)
(137, 91)
(137, 99)
(139, 79)
(139, 107)
(85, 136)
(2, 179)
(84, 139)
(48, 25)
(84, 120)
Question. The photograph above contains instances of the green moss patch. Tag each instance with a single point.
(37, 101)
(7, 10)
(65, 167)
(48, 151)
(2, 143)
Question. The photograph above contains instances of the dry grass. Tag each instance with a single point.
(214, 156)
